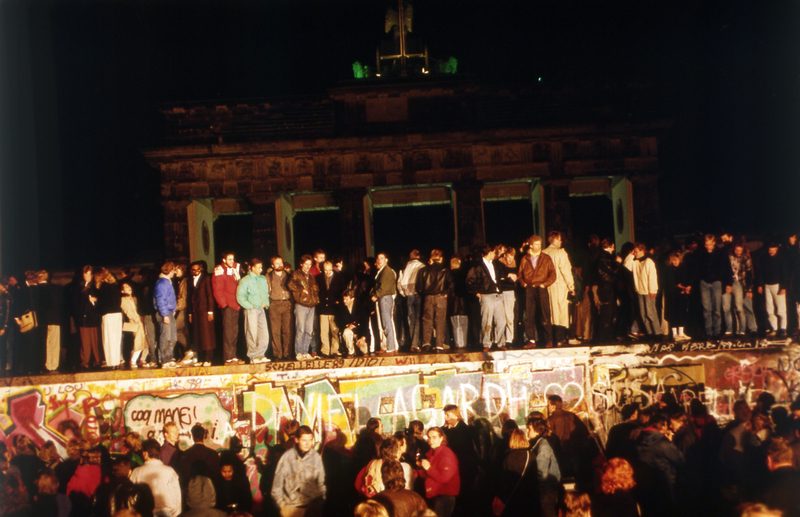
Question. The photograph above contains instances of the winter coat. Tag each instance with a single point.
(714, 267)
(304, 288)
(442, 477)
(385, 283)
(134, 323)
(329, 297)
(252, 292)
(645, 277)
(224, 284)
(164, 297)
(544, 274)
(434, 279)
(558, 290)
(407, 279)
(479, 279)
(298, 479)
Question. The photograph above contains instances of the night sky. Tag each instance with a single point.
(82, 82)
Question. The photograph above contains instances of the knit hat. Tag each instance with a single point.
(201, 493)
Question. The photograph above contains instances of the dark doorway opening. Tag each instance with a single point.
(400, 229)
(591, 215)
(317, 229)
(234, 233)
(508, 221)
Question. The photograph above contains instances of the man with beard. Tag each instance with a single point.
(200, 310)
(225, 281)
(280, 310)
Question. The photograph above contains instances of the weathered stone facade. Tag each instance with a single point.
(368, 138)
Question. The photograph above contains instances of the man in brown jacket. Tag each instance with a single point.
(536, 274)
(305, 292)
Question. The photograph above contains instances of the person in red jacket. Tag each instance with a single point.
(442, 481)
(224, 284)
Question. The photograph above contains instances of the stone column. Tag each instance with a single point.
(265, 235)
(176, 230)
(468, 203)
(557, 215)
(355, 214)
(647, 225)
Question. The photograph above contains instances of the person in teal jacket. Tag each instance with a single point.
(253, 295)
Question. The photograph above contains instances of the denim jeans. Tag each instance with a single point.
(652, 323)
(775, 301)
(167, 336)
(386, 309)
(737, 303)
(414, 303)
(711, 298)
(304, 329)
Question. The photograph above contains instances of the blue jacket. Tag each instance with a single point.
(164, 297)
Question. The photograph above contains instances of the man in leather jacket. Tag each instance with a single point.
(536, 274)
(435, 284)
(607, 265)
(482, 282)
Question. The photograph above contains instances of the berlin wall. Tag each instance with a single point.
(340, 395)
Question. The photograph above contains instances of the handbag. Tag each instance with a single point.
(498, 506)
(28, 322)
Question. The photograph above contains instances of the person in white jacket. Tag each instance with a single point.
(162, 480)
(645, 279)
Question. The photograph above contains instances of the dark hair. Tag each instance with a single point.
(554, 399)
(304, 429)
(606, 243)
(290, 428)
(486, 249)
(393, 476)
(306, 258)
(152, 448)
(657, 420)
(539, 425)
(255, 262)
(416, 426)
(373, 424)
(509, 426)
(628, 410)
(198, 432)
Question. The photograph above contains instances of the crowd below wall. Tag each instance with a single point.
(497, 298)
(665, 459)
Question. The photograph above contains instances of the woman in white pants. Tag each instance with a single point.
(109, 306)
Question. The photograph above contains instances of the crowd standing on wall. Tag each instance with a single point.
(668, 459)
(537, 295)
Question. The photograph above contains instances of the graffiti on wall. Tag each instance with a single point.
(347, 403)
(254, 405)
(146, 414)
